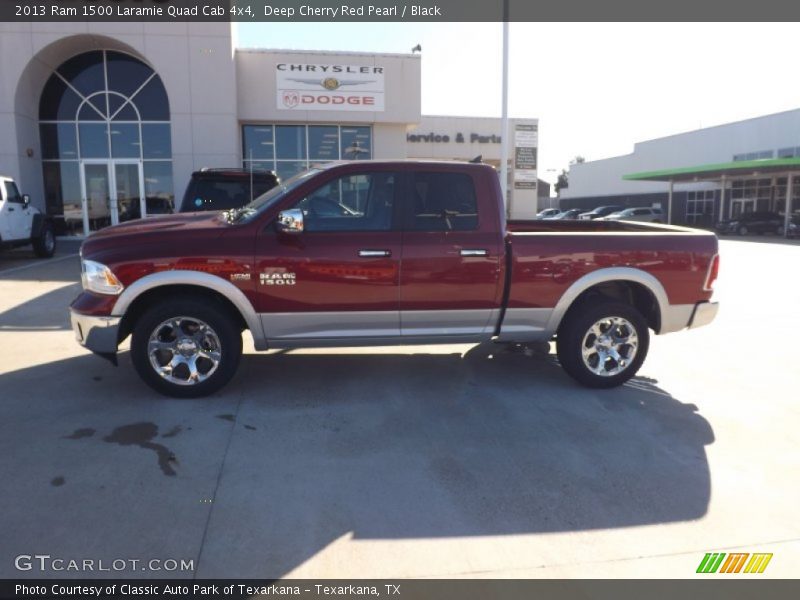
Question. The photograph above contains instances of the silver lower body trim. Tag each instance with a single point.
(98, 334)
(427, 323)
(313, 328)
(329, 325)
(526, 325)
(704, 313)
(675, 317)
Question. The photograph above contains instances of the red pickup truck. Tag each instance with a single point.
(380, 253)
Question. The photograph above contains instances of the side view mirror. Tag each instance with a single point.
(290, 221)
(26, 200)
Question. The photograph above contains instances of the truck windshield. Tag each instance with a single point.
(268, 199)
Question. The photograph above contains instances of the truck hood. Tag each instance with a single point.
(155, 229)
(182, 221)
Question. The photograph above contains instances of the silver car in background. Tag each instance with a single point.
(647, 214)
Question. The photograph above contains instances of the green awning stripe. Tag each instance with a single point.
(732, 168)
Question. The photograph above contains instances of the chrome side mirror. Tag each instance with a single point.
(290, 221)
(26, 200)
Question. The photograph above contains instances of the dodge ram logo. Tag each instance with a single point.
(291, 99)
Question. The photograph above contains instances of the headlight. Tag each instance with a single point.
(99, 278)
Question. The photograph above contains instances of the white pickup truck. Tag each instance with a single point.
(22, 224)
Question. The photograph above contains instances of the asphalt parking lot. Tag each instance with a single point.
(444, 461)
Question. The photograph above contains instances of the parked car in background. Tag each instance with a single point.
(566, 215)
(547, 212)
(600, 211)
(224, 189)
(644, 214)
(752, 222)
(22, 224)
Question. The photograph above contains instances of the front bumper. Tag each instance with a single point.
(98, 334)
(703, 314)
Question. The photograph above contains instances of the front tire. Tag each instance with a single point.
(186, 348)
(743, 230)
(44, 246)
(602, 344)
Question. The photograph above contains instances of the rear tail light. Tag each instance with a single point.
(713, 271)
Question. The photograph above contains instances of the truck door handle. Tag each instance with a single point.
(10, 209)
(474, 252)
(374, 253)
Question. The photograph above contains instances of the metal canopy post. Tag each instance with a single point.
(723, 182)
(669, 202)
(787, 217)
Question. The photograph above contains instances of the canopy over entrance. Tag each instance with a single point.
(722, 173)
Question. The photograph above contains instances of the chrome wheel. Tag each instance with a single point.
(609, 346)
(184, 350)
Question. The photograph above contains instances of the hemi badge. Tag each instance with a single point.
(240, 276)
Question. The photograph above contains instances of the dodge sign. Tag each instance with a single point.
(303, 86)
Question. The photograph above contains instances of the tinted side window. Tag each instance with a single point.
(358, 202)
(443, 202)
(218, 195)
(12, 193)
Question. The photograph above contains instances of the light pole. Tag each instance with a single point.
(504, 117)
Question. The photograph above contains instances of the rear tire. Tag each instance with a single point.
(186, 348)
(44, 246)
(602, 343)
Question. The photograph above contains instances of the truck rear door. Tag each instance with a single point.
(450, 282)
(339, 279)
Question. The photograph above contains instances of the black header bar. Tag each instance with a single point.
(710, 588)
(285, 11)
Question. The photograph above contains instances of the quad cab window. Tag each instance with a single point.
(355, 202)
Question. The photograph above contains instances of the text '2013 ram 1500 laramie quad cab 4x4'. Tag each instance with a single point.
(381, 253)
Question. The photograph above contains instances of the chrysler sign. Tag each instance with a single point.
(303, 86)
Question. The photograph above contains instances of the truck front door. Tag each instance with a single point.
(339, 278)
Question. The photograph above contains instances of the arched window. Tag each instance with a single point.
(105, 107)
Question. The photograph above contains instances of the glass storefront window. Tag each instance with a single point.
(59, 141)
(356, 143)
(323, 142)
(104, 120)
(297, 147)
(62, 185)
(157, 140)
(258, 142)
(59, 102)
(158, 188)
(93, 140)
(290, 141)
(125, 140)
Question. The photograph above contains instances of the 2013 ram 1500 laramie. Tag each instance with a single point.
(379, 253)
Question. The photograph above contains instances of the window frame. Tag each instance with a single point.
(408, 205)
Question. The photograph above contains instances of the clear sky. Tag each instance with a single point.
(596, 87)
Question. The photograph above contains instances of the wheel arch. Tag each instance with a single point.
(633, 286)
(151, 288)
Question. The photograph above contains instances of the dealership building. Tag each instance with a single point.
(703, 176)
(102, 122)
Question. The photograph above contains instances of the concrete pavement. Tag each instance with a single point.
(445, 461)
